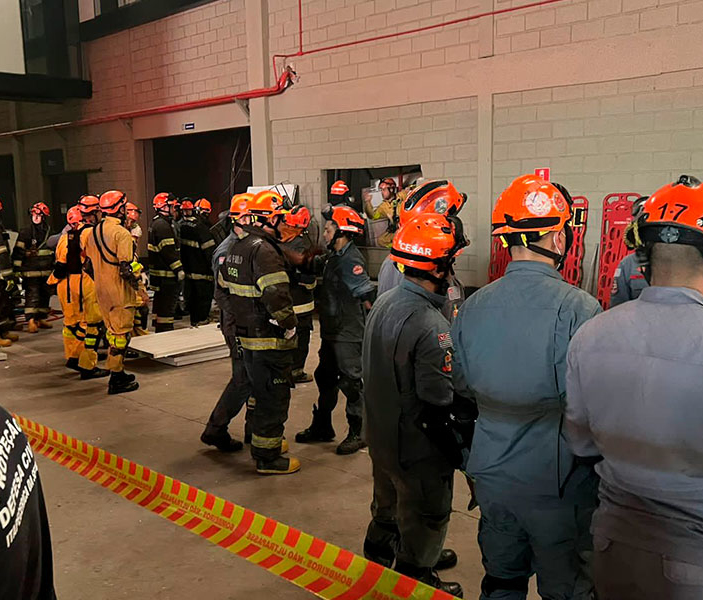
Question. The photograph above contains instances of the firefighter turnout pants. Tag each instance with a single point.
(269, 374)
(81, 319)
(37, 293)
(119, 323)
(165, 301)
(198, 294)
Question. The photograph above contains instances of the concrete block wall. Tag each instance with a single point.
(632, 135)
(440, 136)
(583, 20)
(328, 22)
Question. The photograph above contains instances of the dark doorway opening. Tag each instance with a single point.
(213, 165)
(65, 190)
(7, 192)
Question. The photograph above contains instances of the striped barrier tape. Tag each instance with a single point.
(324, 569)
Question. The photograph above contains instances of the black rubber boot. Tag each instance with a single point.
(72, 363)
(447, 560)
(224, 443)
(121, 383)
(430, 577)
(320, 430)
(95, 373)
(353, 442)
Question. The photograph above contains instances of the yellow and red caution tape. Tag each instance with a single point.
(324, 569)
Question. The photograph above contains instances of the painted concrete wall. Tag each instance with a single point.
(605, 92)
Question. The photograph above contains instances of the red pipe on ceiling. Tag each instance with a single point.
(284, 81)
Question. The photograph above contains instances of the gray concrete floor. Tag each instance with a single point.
(108, 548)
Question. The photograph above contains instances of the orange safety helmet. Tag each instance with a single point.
(429, 241)
(203, 206)
(346, 219)
(111, 202)
(299, 217)
(436, 197)
(239, 204)
(389, 183)
(162, 201)
(530, 204)
(187, 205)
(672, 215)
(88, 204)
(339, 188)
(133, 211)
(74, 216)
(39, 209)
(265, 205)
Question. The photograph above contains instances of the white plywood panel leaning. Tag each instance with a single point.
(179, 341)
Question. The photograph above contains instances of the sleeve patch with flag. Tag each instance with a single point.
(358, 270)
(445, 340)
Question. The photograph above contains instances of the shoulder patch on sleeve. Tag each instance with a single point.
(447, 362)
(358, 270)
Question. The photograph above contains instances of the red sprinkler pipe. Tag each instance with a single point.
(283, 82)
(492, 13)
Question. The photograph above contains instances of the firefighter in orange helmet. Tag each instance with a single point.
(197, 248)
(253, 274)
(165, 266)
(407, 414)
(203, 209)
(303, 283)
(238, 390)
(131, 222)
(633, 410)
(510, 343)
(111, 251)
(388, 209)
(33, 261)
(345, 296)
(76, 291)
(89, 206)
(430, 197)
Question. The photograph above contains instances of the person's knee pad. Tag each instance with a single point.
(491, 584)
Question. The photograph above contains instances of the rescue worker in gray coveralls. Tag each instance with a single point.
(510, 341)
(431, 197)
(407, 364)
(634, 399)
(629, 280)
(345, 297)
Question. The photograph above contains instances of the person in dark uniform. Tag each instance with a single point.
(7, 288)
(33, 262)
(165, 267)
(254, 274)
(303, 284)
(406, 335)
(197, 246)
(345, 296)
(26, 561)
(238, 389)
(629, 280)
